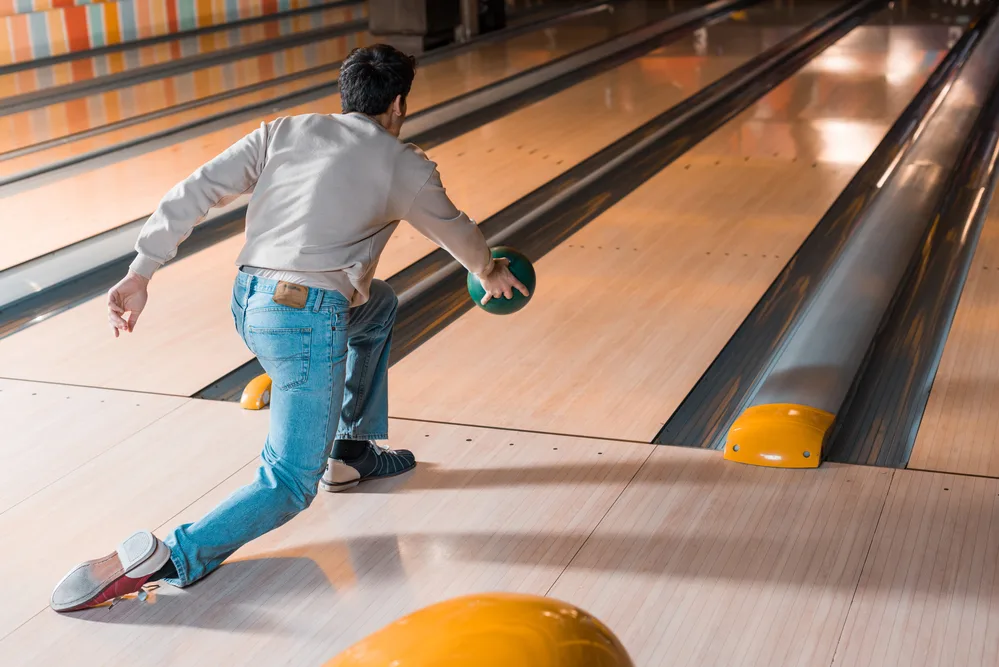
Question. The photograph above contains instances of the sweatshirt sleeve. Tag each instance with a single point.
(435, 216)
(234, 172)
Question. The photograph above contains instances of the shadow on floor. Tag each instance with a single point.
(249, 596)
(706, 470)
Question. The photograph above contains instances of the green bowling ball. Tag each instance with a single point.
(521, 268)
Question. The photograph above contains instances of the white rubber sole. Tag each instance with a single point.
(138, 556)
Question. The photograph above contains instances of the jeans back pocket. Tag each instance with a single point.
(283, 352)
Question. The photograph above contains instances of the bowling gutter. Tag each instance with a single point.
(880, 418)
(51, 95)
(190, 129)
(432, 291)
(45, 286)
(730, 382)
(485, 103)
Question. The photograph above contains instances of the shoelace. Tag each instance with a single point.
(380, 449)
(142, 595)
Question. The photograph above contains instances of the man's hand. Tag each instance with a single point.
(128, 297)
(498, 282)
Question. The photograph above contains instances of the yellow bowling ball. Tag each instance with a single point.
(490, 630)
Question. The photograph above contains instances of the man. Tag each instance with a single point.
(327, 192)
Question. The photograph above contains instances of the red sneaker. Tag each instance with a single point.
(116, 575)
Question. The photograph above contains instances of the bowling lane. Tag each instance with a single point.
(630, 311)
(62, 120)
(49, 134)
(958, 432)
(41, 77)
(73, 208)
(185, 340)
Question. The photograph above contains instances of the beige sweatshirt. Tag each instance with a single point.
(327, 193)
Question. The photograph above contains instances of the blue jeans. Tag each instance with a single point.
(328, 365)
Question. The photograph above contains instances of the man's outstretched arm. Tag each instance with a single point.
(232, 173)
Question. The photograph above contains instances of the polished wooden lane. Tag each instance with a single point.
(185, 340)
(134, 57)
(959, 431)
(190, 335)
(631, 310)
(486, 510)
(71, 209)
(61, 120)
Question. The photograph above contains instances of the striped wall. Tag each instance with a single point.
(32, 29)
(58, 74)
(8, 7)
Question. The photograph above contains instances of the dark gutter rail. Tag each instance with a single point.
(882, 413)
(727, 386)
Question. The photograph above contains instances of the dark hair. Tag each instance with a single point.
(373, 76)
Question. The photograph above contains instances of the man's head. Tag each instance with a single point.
(375, 80)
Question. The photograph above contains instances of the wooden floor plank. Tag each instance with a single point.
(51, 430)
(959, 431)
(139, 482)
(485, 510)
(708, 563)
(929, 594)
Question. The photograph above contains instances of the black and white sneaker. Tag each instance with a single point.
(376, 462)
